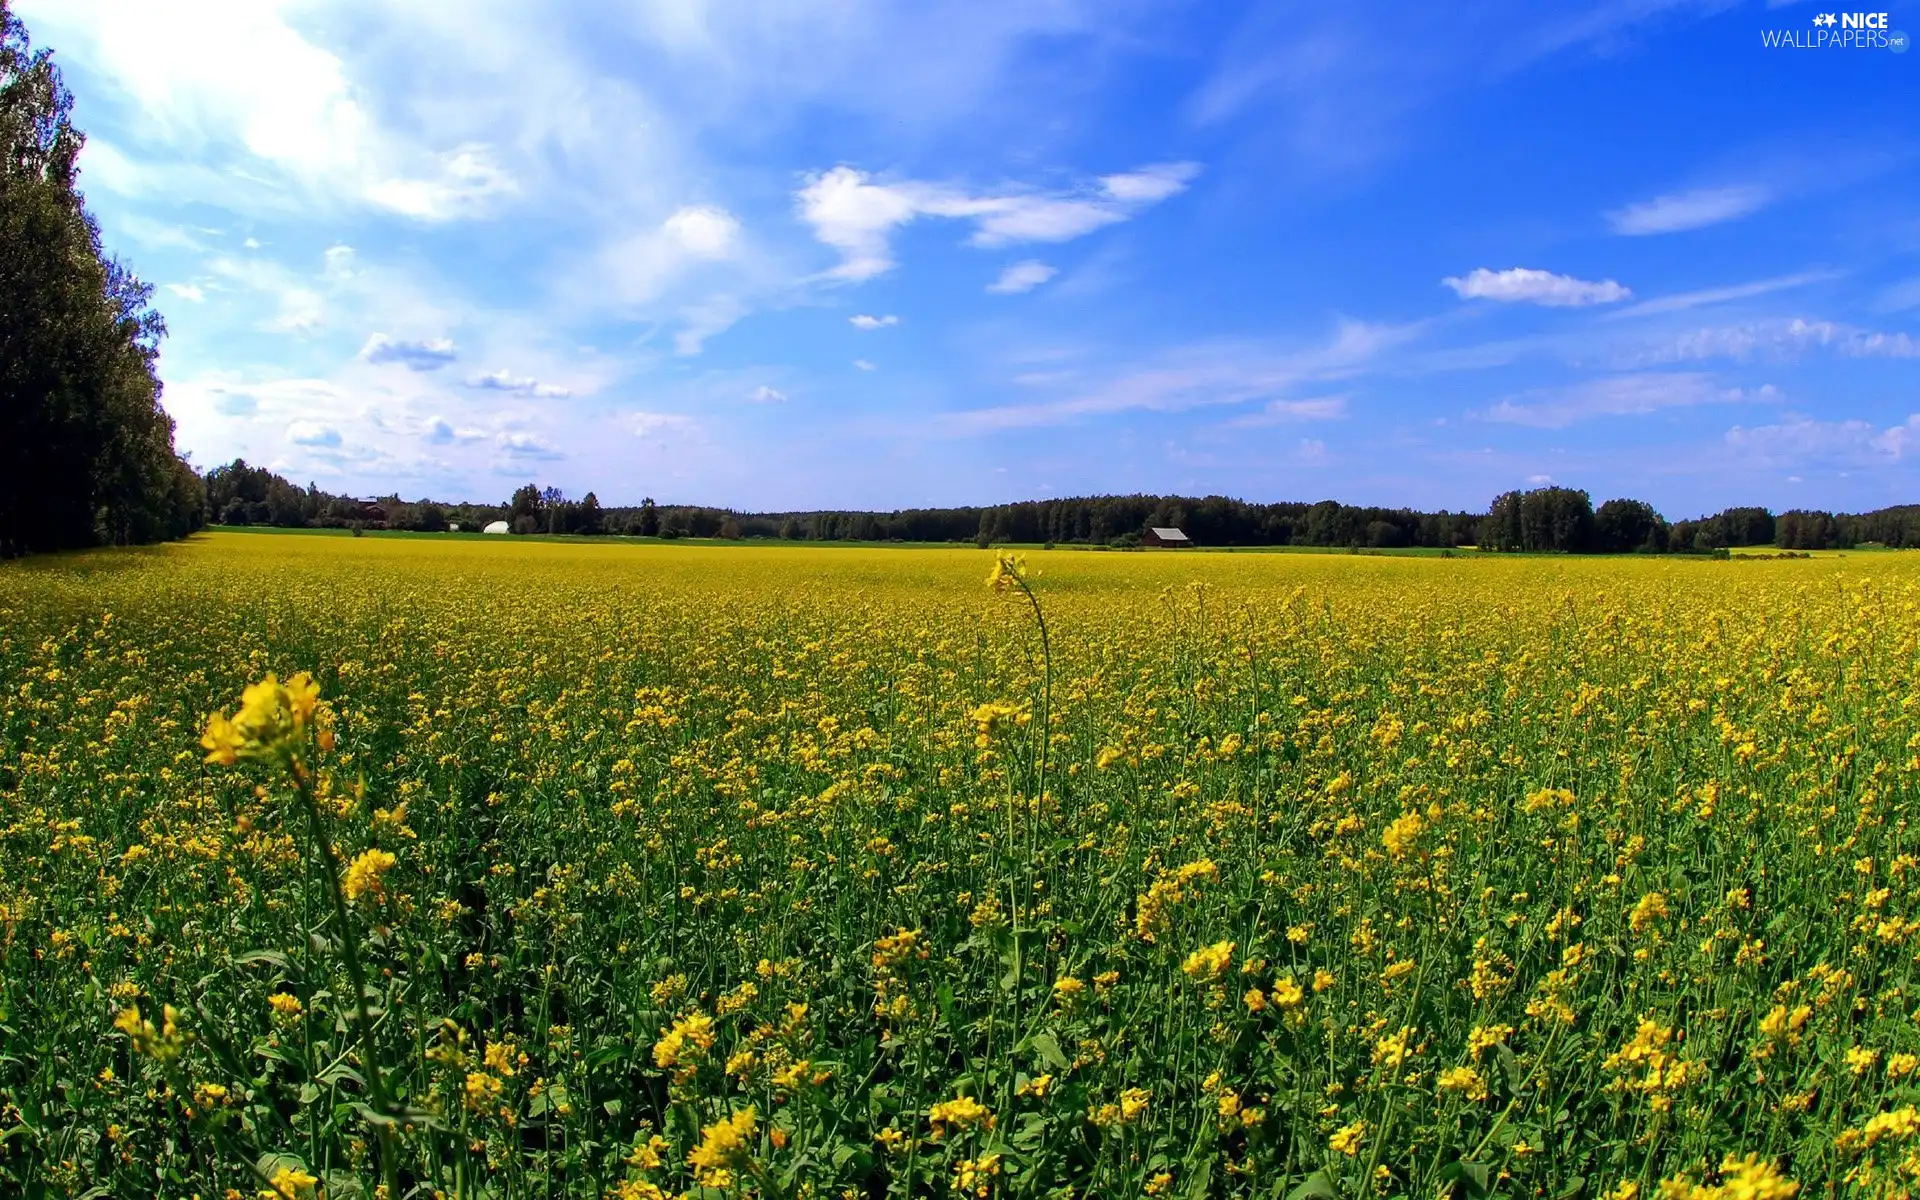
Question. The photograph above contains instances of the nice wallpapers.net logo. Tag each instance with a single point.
(1839, 31)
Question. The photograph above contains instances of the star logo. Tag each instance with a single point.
(1826, 19)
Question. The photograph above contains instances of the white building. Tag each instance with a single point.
(495, 527)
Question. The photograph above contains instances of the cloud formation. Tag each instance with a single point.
(1694, 209)
(1524, 285)
(863, 321)
(1618, 396)
(1022, 277)
(507, 381)
(855, 214)
(428, 355)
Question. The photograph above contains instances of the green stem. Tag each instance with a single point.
(356, 977)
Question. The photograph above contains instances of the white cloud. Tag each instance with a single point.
(236, 76)
(1771, 339)
(1681, 301)
(442, 432)
(1287, 412)
(658, 425)
(1207, 375)
(1800, 440)
(711, 318)
(863, 321)
(1022, 277)
(1615, 396)
(429, 354)
(187, 291)
(1150, 184)
(1694, 209)
(704, 231)
(766, 395)
(857, 216)
(864, 365)
(530, 447)
(1526, 285)
(506, 381)
(313, 433)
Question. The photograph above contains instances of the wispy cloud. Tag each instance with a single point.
(1022, 277)
(870, 323)
(1681, 211)
(1288, 412)
(1524, 285)
(856, 214)
(1802, 441)
(1617, 396)
(766, 395)
(1705, 297)
(1769, 339)
(1216, 374)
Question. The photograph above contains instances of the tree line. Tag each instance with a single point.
(1547, 519)
(86, 451)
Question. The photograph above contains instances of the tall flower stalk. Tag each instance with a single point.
(288, 726)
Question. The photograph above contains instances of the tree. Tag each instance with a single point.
(1622, 526)
(86, 451)
(1548, 518)
(524, 508)
(589, 518)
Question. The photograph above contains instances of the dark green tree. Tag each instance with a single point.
(86, 451)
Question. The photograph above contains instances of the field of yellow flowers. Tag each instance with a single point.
(437, 867)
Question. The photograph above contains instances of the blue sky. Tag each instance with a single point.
(845, 253)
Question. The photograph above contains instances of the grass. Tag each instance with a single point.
(784, 871)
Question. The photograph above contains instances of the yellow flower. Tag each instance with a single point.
(1464, 1080)
(1391, 1051)
(291, 1183)
(690, 1037)
(1400, 836)
(723, 1145)
(1209, 962)
(1346, 1140)
(272, 716)
(1650, 908)
(1133, 1102)
(286, 1006)
(363, 876)
(1008, 571)
(961, 1112)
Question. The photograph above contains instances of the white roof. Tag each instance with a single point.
(1168, 535)
(496, 527)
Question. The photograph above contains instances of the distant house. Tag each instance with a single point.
(453, 527)
(495, 527)
(1172, 539)
(372, 511)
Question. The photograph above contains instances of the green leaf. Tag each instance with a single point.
(1049, 1050)
(1516, 1078)
(1317, 1186)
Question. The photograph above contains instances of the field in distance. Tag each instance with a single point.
(794, 871)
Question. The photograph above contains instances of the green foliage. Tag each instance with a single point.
(86, 451)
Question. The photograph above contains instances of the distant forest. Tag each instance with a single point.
(1544, 519)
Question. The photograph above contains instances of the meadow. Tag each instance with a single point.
(370, 866)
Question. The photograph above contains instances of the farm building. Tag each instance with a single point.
(495, 527)
(1170, 538)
